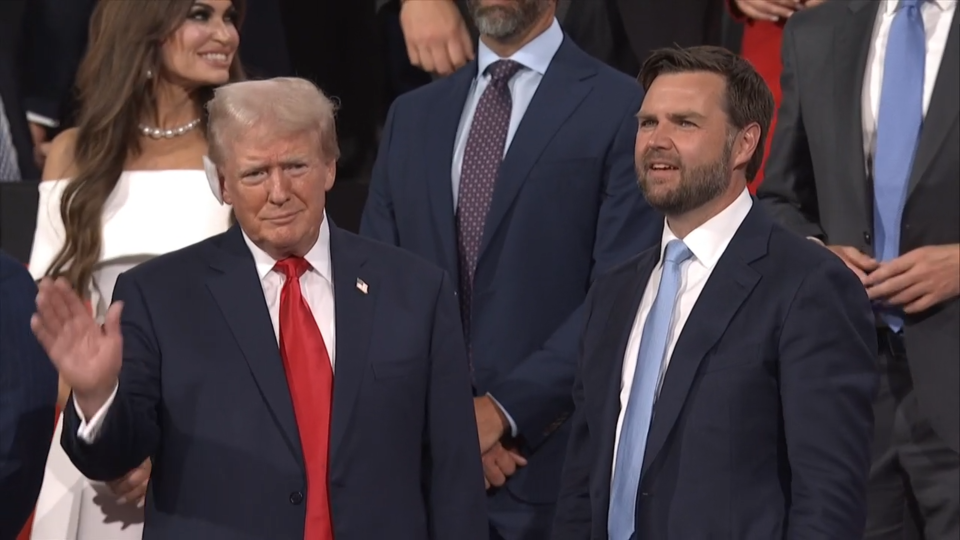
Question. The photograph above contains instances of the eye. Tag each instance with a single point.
(648, 123)
(687, 124)
(201, 15)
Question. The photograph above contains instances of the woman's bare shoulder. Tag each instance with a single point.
(60, 163)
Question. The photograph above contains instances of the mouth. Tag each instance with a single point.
(661, 166)
(283, 220)
(217, 59)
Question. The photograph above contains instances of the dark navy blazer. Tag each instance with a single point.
(566, 206)
(764, 422)
(203, 390)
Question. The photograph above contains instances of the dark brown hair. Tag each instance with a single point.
(115, 94)
(748, 99)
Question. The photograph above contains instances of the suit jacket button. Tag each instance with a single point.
(867, 238)
(296, 497)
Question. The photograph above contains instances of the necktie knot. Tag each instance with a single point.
(292, 267)
(676, 253)
(905, 4)
(502, 71)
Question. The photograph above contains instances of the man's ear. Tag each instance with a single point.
(225, 193)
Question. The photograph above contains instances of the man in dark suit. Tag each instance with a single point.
(516, 174)
(250, 440)
(41, 42)
(623, 33)
(864, 160)
(726, 377)
(28, 397)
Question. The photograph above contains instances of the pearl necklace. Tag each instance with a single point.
(157, 133)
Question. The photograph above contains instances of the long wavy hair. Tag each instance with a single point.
(115, 95)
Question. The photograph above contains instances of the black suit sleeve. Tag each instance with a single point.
(828, 380)
(28, 397)
(788, 190)
(572, 520)
(378, 221)
(454, 476)
(130, 432)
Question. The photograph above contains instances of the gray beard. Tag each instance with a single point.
(503, 23)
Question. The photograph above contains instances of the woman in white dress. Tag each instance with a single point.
(128, 184)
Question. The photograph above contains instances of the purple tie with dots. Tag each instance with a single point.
(478, 175)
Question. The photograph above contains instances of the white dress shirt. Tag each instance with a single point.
(316, 285)
(707, 242)
(535, 57)
(937, 16)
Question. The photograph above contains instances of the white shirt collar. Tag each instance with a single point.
(535, 55)
(318, 256)
(889, 6)
(708, 241)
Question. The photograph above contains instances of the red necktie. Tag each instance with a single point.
(310, 378)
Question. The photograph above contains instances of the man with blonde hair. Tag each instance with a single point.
(289, 379)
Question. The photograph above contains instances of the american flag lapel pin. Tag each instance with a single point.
(361, 286)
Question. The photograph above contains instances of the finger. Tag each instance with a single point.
(111, 323)
(921, 304)
(780, 8)
(507, 465)
(493, 474)
(126, 488)
(466, 42)
(486, 483)
(441, 60)
(861, 259)
(426, 59)
(455, 53)
(908, 295)
(413, 54)
(72, 301)
(44, 336)
(46, 306)
(518, 459)
(890, 287)
(857, 271)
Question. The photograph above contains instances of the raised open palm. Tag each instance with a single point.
(87, 356)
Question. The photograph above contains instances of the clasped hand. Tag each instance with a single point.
(915, 281)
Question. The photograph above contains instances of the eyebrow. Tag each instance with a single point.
(675, 117)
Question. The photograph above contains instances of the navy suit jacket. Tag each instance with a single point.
(28, 398)
(566, 206)
(203, 391)
(764, 421)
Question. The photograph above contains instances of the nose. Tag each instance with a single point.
(278, 187)
(659, 138)
(221, 32)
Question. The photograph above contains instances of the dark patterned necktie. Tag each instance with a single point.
(478, 174)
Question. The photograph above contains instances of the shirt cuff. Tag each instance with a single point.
(42, 120)
(513, 425)
(817, 240)
(88, 431)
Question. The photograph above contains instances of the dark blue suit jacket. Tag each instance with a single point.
(28, 399)
(203, 391)
(764, 422)
(566, 206)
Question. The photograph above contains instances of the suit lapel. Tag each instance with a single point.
(944, 107)
(444, 121)
(605, 377)
(354, 321)
(564, 85)
(237, 290)
(852, 46)
(728, 287)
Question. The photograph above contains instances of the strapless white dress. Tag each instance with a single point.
(149, 213)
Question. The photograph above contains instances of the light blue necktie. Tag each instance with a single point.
(636, 420)
(898, 132)
(9, 168)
